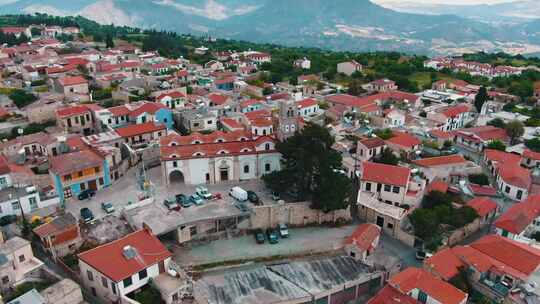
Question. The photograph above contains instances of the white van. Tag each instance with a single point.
(239, 194)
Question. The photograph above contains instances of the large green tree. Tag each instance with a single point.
(481, 98)
(515, 130)
(312, 168)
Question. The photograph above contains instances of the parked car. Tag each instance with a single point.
(283, 230)
(171, 203)
(196, 199)
(239, 194)
(242, 207)
(259, 236)
(86, 215)
(202, 191)
(422, 255)
(183, 200)
(272, 236)
(7, 219)
(275, 196)
(107, 207)
(253, 197)
(86, 194)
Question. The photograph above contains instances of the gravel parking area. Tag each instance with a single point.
(301, 241)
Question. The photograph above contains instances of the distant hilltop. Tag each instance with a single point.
(351, 25)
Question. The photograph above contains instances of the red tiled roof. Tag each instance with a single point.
(231, 123)
(444, 264)
(482, 190)
(372, 142)
(4, 168)
(521, 257)
(482, 205)
(68, 163)
(213, 137)
(76, 61)
(261, 122)
(441, 160)
(385, 174)
(502, 157)
(404, 139)
(225, 80)
(415, 278)
(182, 73)
(218, 99)
(64, 228)
(13, 30)
(277, 96)
(483, 133)
(257, 114)
(456, 110)
(147, 107)
(249, 102)
(139, 129)
(437, 185)
(62, 69)
(531, 154)
(390, 295)
(363, 236)
(109, 259)
(119, 111)
(72, 110)
(309, 102)
(520, 215)
(515, 175)
(72, 80)
(441, 134)
(173, 95)
(212, 149)
(383, 81)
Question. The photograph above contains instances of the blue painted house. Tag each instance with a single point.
(226, 84)
(77, 171)
(152, 111)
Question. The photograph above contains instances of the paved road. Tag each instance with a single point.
(396, 248)
(301, 241)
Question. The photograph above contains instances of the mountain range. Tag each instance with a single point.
(355, 25)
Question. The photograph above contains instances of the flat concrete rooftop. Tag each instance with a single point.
(161, 220)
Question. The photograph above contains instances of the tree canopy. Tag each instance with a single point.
(481, 98)
(496, 145)
(515, 130)
(312, 168)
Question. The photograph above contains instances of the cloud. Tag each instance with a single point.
(211, 9)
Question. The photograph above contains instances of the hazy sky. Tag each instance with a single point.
(444, 1)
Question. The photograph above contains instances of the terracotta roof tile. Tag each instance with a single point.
(441, 161)
(74, 162)
(110, 260)
(385, 174)
(520, 215)
(404, 139)
(415, 278)
(390, 295)
(444, 264)
(140, 129)
(482, 205)
(363, 236)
